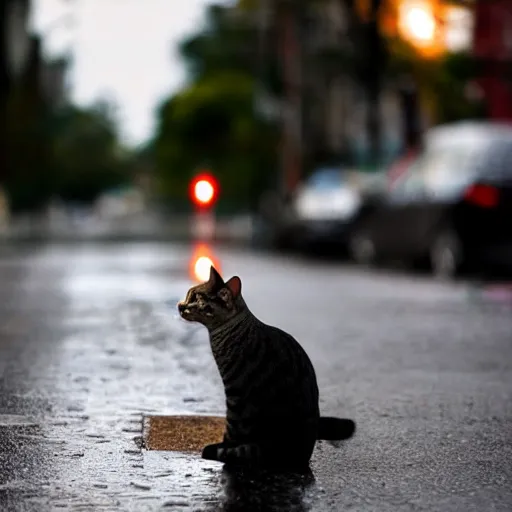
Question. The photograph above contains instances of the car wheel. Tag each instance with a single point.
(362, 249)
(446, 256)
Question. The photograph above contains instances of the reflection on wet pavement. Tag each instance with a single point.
(263, 491)
(200, 262)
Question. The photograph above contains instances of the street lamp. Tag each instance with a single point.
(418, 24)
(418, 21)
(434, 27)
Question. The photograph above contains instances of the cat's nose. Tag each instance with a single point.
(181, 307)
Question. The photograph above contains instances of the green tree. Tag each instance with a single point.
(72, 153)
(212, 123)
(441, 82)
(456, 71)
(28, 164)
(227, 43)
(88, 158)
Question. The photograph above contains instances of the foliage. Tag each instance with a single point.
(28, 180)
(457, 70)
(88, 158)
(225, 44)
(212, 124)
(72, 153)
(442, 82)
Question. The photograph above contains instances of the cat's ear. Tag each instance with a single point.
(215, 278)
(234, 285)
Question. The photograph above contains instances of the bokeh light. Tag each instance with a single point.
(202, 268)
(201, 261)
(204, 191)
(420, 22)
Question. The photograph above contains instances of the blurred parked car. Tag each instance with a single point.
(273, 222)
(324, 206)
(451, 208)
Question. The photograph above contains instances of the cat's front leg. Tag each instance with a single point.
(230, 453)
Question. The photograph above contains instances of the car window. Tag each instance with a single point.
(437, 174)
(446, 173)
(410, 185)
(325, 179)
(497, 161)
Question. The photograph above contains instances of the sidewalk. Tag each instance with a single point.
(138, 227)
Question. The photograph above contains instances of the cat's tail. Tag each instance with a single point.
(335, 429)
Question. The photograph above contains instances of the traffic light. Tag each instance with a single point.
(204, 190)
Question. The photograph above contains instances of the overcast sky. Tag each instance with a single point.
(124, 49)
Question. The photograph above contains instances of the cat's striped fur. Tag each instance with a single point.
(273, 417)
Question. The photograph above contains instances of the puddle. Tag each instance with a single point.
(187, 434)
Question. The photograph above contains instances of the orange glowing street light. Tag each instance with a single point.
(435, 27)
(418, 24)
(431, 27)
(417, 21)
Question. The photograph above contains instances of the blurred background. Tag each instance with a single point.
(144, 140)
(380, 128)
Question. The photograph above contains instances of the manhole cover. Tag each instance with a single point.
(182, 433)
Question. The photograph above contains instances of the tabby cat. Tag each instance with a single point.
(272, 418)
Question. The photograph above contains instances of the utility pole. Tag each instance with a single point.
(411, 134)
(290, 58)
(375, 61)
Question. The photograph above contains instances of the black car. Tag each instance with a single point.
(452, 208)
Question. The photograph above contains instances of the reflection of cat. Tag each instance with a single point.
(273, 416)
(247, 490)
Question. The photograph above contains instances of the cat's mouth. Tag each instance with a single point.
(184, 310)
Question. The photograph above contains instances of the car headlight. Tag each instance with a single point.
(330, 206)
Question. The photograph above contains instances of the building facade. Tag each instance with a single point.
(492, 45)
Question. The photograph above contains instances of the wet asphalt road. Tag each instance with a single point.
(89, 344)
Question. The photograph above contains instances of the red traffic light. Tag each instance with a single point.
(204, 190)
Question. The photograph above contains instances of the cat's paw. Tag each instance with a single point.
(210, 452)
